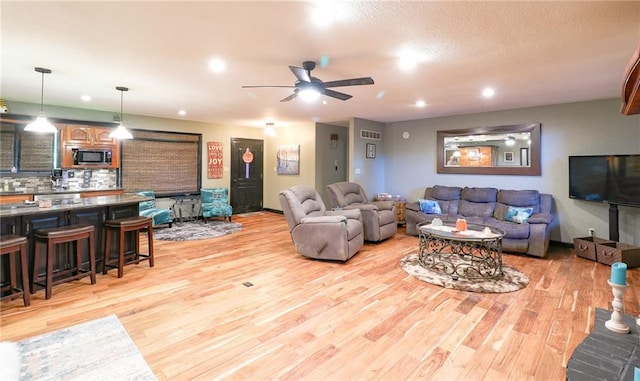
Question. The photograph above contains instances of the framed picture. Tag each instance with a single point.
(508, 157)
(288, 159)
(371, 151)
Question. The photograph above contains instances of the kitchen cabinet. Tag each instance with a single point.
(88, 136)
(9, 225)
(29, 225)
(15, 198)
(95, 217)
(112, 192)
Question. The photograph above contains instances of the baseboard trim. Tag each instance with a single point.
(561, 244)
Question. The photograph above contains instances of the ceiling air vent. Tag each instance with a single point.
(372, 135)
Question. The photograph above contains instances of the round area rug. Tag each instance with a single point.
(511, 280)
(194, 230)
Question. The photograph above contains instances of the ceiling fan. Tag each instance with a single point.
(308, 86)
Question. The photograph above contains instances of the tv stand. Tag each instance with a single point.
(614, 233)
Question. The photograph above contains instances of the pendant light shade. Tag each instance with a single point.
(41, 124)
(121, 131)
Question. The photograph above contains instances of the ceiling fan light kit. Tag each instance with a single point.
(310, 88)
(41, 124)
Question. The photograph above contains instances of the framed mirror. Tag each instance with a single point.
(501, 150)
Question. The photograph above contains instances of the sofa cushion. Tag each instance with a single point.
(500, 212)
(540, 218)
(518, 214)
(440, 192)
(429, 206)
(386, 217)
(525, 198)
(479, 194)
(480, 209)
(512, 230)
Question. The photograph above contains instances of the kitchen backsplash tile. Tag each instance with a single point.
(99, 179)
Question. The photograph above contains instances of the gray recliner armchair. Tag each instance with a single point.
(378, 217)
(319, 233)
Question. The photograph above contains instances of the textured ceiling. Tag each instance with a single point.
(531, 53)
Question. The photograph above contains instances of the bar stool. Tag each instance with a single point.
(16, 246)
(54, 236)
(121, 226)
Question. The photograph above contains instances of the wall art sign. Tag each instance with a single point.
(288, 160)
(214, 160)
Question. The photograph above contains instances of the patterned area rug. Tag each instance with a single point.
(96, 350)
(511, 280)
(194, 230)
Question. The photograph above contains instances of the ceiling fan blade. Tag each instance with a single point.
(300, 73)
(290, 97)
(337, 95)
(350, 82)
(255, 87)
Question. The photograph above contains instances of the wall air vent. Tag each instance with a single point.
(371, 135)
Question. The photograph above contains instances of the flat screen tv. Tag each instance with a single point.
(611, 178)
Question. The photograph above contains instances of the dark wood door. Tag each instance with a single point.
(246, 175)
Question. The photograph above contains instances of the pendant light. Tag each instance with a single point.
(41, 124)
(121, 131)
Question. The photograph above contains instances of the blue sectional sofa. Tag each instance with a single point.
(525, 215)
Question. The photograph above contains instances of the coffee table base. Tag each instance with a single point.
(467, 259)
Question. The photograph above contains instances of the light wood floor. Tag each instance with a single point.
(192, 318)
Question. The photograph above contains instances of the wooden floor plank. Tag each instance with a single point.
(192, 318)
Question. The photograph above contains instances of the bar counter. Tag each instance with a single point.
(22, 219)
(61, 205)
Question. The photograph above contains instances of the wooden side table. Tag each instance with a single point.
(400, 204)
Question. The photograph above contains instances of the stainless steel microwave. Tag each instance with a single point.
(91, 156)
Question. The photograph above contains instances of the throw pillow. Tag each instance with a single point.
(518, 215)
(429, 206)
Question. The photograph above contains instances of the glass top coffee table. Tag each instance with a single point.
(472, 253)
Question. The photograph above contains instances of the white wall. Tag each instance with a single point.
(584, 128)
(303, 135)
(331, 163)
(369, 173)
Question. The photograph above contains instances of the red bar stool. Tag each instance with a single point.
(49, 238)
(120, 226)
(16, 247)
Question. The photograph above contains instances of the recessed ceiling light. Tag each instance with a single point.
(408, 62)
(86, 98)
(217, 65)
(488, 92)
(421, 103)
(324, 14)
(182, 113)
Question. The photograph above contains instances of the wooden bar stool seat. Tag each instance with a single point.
(49, 238)
(121, 226)
(16, 247)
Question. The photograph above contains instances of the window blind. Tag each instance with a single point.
(167, 163)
